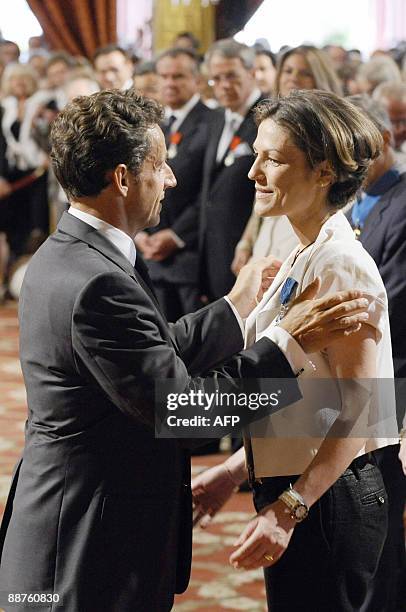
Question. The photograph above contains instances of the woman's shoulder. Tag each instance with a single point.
(342, 263)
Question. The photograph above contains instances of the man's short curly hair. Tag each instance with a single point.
(328, 128)
(93, 134)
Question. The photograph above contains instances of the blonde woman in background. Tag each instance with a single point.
(23, 211)
(303, 67)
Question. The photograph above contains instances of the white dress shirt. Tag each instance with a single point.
(232, 124)
(120, 239)
(180, 114)
(295, 433)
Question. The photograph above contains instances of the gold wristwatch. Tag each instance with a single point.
(296, 504)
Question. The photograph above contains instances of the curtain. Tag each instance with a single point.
(232, 15)
(76, 26)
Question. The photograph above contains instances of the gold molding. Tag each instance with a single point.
(170, 18)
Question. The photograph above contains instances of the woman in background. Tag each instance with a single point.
(24, 212)
(303, 67)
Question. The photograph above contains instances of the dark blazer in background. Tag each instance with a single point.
(384, 237)
(226, 204)
(99, 510)
(180, 206)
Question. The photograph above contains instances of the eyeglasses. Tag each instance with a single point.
(229, 77)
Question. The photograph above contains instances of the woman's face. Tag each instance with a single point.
(284, 181)
(295, 74)
(19, 86)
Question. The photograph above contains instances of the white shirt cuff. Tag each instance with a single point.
(179, 242)
(241, 322)
(292, 350)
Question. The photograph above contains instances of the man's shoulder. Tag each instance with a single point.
(65, 263)
(201, 109)
(393, 203)
(398, 190)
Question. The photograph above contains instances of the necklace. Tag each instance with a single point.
(299, 252)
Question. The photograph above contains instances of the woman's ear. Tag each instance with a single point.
(119, 179)
(326, 175)
(387, 140)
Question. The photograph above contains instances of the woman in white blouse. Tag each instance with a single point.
(23, 211)
(313, 150)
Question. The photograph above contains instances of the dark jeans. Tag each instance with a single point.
(334, 553)
(388, 590)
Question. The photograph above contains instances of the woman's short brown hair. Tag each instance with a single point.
(328, 128)
(93, 134)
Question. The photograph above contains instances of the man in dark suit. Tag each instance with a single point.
(379, 221)
(99, 512)
(227, 194)
(171, 247)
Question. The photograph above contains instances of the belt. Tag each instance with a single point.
(356, 464)
(359, 462)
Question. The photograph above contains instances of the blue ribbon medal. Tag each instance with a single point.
(288, 289)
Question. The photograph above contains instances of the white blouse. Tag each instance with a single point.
(286, 442)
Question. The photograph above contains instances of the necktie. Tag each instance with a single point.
(226, 137)
(362, 208)
(167, 129)
(142, 270)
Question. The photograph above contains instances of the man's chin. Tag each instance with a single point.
(155, 219)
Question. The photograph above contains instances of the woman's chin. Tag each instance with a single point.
(265, 209)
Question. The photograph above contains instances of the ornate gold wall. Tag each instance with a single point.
(170, 18)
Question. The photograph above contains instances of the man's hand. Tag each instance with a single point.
(211, 489)
(162, 245)
(143, 242)
(269, 533)
(5, 188)
(252, 282)
(315, 324)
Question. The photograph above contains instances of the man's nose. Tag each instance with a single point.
(170, 179)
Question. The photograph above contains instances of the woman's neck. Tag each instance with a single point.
(307, 225)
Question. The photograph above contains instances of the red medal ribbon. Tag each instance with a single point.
(175, 139)
(235, 142)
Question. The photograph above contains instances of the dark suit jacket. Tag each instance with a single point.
(176, 214)
(384, 237)
(100, 511)
(226, 204)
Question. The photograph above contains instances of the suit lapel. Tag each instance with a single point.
(375, 216)
(217, 129)
(244, 131)
(86, 233)
(190, 124)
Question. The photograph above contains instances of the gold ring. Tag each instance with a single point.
(268, 557)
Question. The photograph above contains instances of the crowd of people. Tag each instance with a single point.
(297, 156)
(199, 246)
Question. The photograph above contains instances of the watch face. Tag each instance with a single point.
(300, 512)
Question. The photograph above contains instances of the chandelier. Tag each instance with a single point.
(204, 3)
